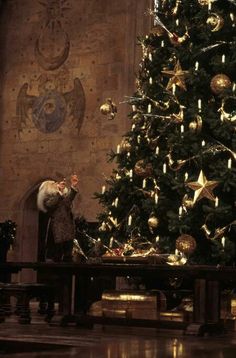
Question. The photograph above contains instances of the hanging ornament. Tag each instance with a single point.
(177, 77)
(186, 244)
(177, 40)
(143, 169)
(196, 125)
(203, 188)
(175, 165)
(206, 231)
(220, 83)
(153, 222)
(228, 109)
(175, 10)
(187, 202)
(178, 117)
(206, 2)
(109, 108)
(125, 146)
(215, 22)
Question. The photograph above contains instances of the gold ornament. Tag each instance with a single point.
(125, 146)
(142, 169)
(174, 11)
(178, 117)
(205, 2)
(220, 83)
(215, 21)
(203, 188)
(196, 125)
(228, 109)
(176, 260)
(186, 244)
(187, 202)
(178, 40)
(109, 108)
(175, 165)
(177, 77)
(153, 222)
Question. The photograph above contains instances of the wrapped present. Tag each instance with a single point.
(96, 309)
(133, 304)
(176, 316)
(172, 316)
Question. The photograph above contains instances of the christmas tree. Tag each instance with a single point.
(174, 187)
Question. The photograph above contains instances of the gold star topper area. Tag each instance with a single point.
(203, 188)
(177, 77)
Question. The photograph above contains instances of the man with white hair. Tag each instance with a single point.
(56, 199)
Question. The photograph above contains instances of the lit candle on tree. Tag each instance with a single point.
(174, 88)
(156, 198)
(129, 220)
(144, 183)
(199, 104)
(180, 211)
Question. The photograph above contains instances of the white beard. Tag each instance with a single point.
(48, 188)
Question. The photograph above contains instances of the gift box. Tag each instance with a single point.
(133, 304)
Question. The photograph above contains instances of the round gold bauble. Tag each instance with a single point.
(220, 83)
(215, 22)
(109, 108)
(105, 108)
(186, 244)
(153, 222)
(125, 146)
(142, 169)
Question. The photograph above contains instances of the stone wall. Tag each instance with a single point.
(59, 61)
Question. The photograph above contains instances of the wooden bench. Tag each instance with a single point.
(24, 292)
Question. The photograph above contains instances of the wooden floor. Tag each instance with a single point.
(41, 340)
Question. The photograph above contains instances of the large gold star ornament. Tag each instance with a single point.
(203, 188)
(177, 77)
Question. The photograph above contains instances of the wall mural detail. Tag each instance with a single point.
(49, 100)
(49, 109)
(53, 45)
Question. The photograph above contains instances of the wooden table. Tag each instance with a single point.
(207, 287)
